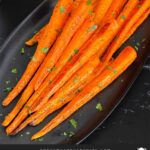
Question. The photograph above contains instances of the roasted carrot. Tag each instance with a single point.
(36, 37)
(96, 86)
(82, 35)
(101, 42)
(132, 30)
(72, 25)
(89, 52)
(67, 92)
(137, 24)
(122, 35)
(57, 21)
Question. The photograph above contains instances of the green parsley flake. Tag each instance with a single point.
(8, 89)
(22, 51)
(69, 133)
(75, 80)
(99, 107)
(14, 71)
(123, 17)
(90, 12)
(34, 59)
(7, 82)
(76, 51)
(30, 112)
(89, 2)
(28, 107)
(27, 133)
(62, 9)
(41, 139)
(73, 123)
(45, 50)
(138, 44)
(112, 69)
(92, 28)
(136, 48)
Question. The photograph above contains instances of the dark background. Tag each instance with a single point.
(130, 122)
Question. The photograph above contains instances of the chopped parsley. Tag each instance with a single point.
(14, 71)
(7, 82)
(136, 48)
(73, 123)
(8, 89)
(41, 139)
(76, 51)
(138, 44)
(123, 17)
(75, 80)
(62, 9)
(90, 12)
(22, 51)
(92, 28)
(99, 107)
(68, 134)
(89, 2)
(30, 112)
(33, 59)
(112, 69)
(27, 133)
(45, 50)
(28, 107)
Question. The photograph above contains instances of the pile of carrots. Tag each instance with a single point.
(74, 60)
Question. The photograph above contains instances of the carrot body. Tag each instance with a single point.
(99, 83)
(67, 92)
(132, 30)
(73, 24)
(137, 24)
(56, 23)
(122, 35)
(100, 43)
(36, 38)
(82, 35)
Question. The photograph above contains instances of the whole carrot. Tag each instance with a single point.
(72, 25)
(67, 92)
(122, 35)
(36, 38)
(83, 34)
(100, 42)
(56, 23)
(132, 30)
(96, 86)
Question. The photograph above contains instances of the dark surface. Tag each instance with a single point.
(130, 122)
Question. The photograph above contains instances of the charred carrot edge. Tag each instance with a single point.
(100, 42)
(67, 92)
(36, 38)
(96, 86)
(72, 25)
(56, 23)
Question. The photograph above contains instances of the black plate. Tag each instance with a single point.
(88, 117)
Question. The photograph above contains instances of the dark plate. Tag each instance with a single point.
(88, 117)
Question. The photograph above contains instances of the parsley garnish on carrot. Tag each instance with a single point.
(62, 9)
(45, 50)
